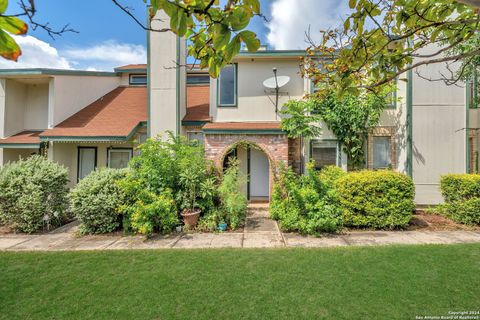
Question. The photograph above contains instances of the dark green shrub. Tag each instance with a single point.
(305, 203)
(31, 191)
(96, 199)
(376, 199)
(462, 198)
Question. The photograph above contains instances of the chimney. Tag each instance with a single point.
(167, 78)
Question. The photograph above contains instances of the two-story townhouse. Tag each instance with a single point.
(85, 120)
(430, 129)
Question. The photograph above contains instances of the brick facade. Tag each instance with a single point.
(295, 154)
(275, 146)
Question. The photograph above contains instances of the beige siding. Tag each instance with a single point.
(253, 103)
(73, 93)
(163, 78)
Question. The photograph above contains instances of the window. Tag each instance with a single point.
(381, 152)
(473, 92)
(119, 158)
(138, 79)
(142, 137)
(324, 153)
(195, 136)
(227, 86)
(87, 161)
(198, 79)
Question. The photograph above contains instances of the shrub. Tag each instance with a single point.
(175, 169)
(95, 200)
(32, 190)
(462, 197)
(376, 199)
(305, 203)
(234, 202)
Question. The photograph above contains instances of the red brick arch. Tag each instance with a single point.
(275, 147)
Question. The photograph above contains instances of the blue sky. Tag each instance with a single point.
(108, 37)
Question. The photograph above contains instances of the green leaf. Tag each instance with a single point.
(9, 49)
(13, 25)
(3, 6)
(352, 3)
(250, 39)
(233, 48)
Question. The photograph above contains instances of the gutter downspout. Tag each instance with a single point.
(410, 123)
(178, 86)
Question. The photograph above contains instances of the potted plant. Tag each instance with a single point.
(190, 180)
(222, 226)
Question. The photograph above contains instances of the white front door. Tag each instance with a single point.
(259, 174)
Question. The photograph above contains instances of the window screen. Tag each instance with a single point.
(140, 79)
(195, 136)
(324, 153)
(87, 159)
(119, 158)
(198, 79)
(381, 152)
(228, 86)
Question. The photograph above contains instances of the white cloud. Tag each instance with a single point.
(104, 56)
(107, 55)
(292, 18)
(36, 54)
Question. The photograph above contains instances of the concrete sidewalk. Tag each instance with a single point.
(259, 232)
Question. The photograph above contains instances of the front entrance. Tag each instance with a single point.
(259, 175)
(254, 164)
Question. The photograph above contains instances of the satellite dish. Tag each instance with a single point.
(276, 82)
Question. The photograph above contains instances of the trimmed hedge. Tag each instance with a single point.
(96, 199)
(32, 190)
(381, 199)
(462, 197)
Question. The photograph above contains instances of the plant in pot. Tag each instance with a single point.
(190, 191)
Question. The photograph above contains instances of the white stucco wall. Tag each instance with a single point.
(439, 135)
(164, 78)
(253, 103)
(73, 93)
(36, 107)
(15, 98)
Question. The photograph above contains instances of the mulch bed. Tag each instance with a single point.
(431, 222)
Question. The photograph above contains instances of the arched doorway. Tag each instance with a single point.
(255, 164)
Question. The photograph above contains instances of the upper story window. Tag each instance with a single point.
(198, 79)
(138, 79)
(227, 86)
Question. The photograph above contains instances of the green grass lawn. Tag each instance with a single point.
(341, 283)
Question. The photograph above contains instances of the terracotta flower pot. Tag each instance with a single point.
(190, 217)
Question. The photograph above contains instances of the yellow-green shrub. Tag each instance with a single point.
(376, 199)
(462, 197)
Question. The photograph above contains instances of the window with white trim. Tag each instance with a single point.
(119, 158)
(324, 153)
(381, 152)
(227, 86)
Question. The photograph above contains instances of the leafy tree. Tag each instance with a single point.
(216, 34)
(382, 39)
(349, 117)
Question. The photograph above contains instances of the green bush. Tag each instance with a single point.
(96, 199)
(306, 203)
(234, 202)
(462, 197)
(376, 199)
(32, 190)
(172, 170)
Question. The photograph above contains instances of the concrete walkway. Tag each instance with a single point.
(259, 232)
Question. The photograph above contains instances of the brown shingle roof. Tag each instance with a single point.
(132, 66)
(114, 115)
(198, 103)
(25, 137)
(233, 126)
